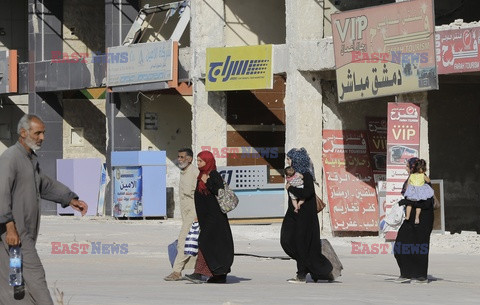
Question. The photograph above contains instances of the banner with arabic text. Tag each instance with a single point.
(403, 143)
(349, 179)
(457, 50)
(377, 147)
(385, 50)
(127, 195)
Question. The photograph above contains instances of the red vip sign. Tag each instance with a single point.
(403, 123)
(403, 143)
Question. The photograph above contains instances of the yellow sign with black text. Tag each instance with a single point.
(239, 68)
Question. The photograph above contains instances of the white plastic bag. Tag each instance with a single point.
(395, 216)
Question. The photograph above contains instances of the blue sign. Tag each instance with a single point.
(140, 63)
(127, 196)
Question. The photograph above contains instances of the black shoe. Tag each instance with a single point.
(194, 278)
(329, 277)
(218, 279)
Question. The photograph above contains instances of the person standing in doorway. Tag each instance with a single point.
(22, 186)
(186, 190)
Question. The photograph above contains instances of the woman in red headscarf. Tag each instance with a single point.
(215, 242)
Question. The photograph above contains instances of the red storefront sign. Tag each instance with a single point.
(403, 143)
(457, 50)
(350, 187)
(377, 146)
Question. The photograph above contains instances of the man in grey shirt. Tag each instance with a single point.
(22, 185)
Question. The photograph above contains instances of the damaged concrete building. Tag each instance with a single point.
(59, 79)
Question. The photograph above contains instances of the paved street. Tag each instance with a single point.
(137, 276)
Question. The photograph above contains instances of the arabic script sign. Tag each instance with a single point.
(140, 63)
(349, 179)
(127, 196)
(239, 68)
(384, 50)
(457, 50)
(377, 146)
(403, 143)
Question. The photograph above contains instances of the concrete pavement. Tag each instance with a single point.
(136, 277)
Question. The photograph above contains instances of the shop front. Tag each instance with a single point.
(388, 62)
(255, 132)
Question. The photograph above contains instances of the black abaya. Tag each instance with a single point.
(300, 234)
(215, 239)
(412, 244)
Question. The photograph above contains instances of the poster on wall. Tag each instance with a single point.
(351, 192)
(377, 147)
(385, 50)
(127, 196)
(403, 143)
(150, 121)
(457, 50)
(101, 193)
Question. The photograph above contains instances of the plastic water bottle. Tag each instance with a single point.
(15, 266)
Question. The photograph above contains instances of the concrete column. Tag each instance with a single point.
(44, 24)
(209, 109)
(303, 100)
(421, 99)
(122, 110)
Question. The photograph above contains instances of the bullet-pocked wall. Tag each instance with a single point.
(83, 26)
(454, 136)
(349, 115)
(13, 27)
(166, 124)
(13, 36)
(84, 127)
(253, 22)
(12, 108)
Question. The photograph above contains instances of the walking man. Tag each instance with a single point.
(188, 183)
(22, 185)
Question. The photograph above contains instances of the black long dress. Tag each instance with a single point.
(412, 244)
(215, 239)
(300, 233)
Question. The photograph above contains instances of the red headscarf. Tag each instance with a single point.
(206, 169)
